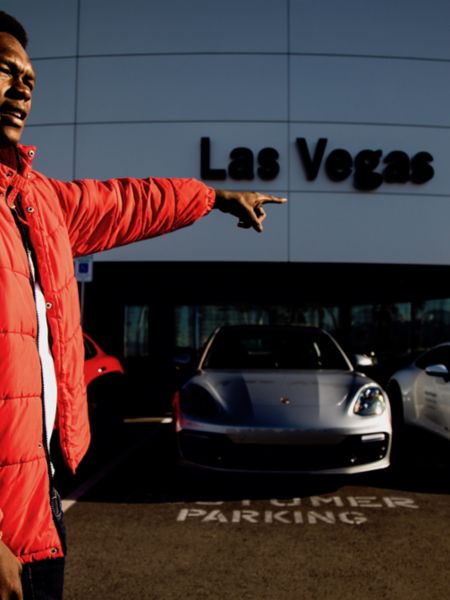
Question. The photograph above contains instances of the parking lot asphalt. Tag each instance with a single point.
(146, 529)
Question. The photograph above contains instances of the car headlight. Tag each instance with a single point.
(370, 401)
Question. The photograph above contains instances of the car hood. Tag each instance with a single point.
(282, 396)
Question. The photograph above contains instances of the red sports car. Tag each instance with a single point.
(97, 363)
(105, 379)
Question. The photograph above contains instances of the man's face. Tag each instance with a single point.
(17, 80)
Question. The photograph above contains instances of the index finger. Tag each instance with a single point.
(270, 199)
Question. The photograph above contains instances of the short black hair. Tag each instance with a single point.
(9, 24)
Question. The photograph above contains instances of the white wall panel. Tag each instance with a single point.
(327, 88)
(182, 87)
(51, 25)
(355, 138)
(369, 228)
(54, 94)
(173, 150)
(155, 77)
(384, 28)
(214, 238)
(140, 26)
(55, 146)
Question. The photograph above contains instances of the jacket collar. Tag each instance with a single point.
(17, 159)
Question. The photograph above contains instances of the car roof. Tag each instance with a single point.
(268, 327)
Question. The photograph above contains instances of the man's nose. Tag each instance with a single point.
(21, 90)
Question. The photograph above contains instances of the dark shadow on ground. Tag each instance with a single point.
(150, 473)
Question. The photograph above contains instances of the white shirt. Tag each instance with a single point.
(49, 390)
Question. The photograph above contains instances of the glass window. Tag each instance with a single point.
(89, 349)
(136, 331)
(432, 322)
(436, 356)
(195, 324)
(381, 328)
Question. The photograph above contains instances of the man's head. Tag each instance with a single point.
(9, 24)
(17, 79)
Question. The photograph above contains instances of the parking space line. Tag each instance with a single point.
(74, 496)
(163, 420)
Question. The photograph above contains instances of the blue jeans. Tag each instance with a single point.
(44, 579)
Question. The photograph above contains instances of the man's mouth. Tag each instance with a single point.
(12, 116)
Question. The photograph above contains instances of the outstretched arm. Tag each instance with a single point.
(105, 214)
(246, 206)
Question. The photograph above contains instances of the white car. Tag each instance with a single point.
(420, 393)
(281, 398)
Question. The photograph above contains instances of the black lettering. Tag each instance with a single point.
(205, 161)
(268, 164)
(338, 165)
(241, 165)
(421, 170)
(311, 165)
(364, 177)
(397, 169)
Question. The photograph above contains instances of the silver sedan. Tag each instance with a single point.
(281, 398)
(420, 393)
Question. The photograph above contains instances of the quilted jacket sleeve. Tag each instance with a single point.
(104, 214)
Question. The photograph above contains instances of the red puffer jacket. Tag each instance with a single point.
(64, 219)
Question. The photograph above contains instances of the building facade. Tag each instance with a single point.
(343, 107)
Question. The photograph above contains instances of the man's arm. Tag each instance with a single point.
(246, 206)
(100, 215)
(105, 214)
(10, 571)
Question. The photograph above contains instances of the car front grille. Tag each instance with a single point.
(218, 451)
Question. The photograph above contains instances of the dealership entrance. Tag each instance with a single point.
(147, 313)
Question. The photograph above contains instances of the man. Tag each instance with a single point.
(44, 223)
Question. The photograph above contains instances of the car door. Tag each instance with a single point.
(433, 391)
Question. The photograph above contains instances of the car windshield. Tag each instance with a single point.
(266, 348)
(439, 355)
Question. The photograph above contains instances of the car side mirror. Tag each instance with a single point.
(363, 360)
(438, 370)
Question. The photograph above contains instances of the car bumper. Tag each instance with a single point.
(319, 452)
